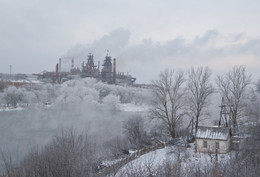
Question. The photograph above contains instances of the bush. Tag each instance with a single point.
(69, 154)
(13, 96)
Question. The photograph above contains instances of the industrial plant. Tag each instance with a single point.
(106, 73)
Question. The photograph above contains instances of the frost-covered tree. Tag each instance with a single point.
(200, 89)
(253, 105)
(13, 96)
(169, 101)
(232, 86)
(112, 102)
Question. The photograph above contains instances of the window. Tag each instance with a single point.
(217, 145)
(205, 144)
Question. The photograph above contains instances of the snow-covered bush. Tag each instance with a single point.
(12, 96)
(112, 102)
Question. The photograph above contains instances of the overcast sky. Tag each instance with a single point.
(146, 36)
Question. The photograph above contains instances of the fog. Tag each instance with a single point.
(84, 105)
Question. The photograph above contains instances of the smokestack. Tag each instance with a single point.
(72, 63)
(59, 65)
(57, 73)
(114, 72)
(98, 66)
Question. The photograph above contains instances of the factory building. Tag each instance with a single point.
(106, 73)
(89, 69)
(18, 80)
(123, 79)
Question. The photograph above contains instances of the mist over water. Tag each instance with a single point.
(83, 105)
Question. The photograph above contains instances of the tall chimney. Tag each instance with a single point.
(57, 73)
(114, 72)
(72, 63)
(59, 65)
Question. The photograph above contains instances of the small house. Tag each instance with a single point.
(213, 139)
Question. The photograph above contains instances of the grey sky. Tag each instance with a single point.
(146, 36)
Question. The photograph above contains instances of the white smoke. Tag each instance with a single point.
(145, 60)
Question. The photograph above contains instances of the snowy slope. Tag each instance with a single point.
(188, 160)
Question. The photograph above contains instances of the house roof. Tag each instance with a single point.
(217, 133)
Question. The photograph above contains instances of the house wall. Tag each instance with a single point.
(211, 146)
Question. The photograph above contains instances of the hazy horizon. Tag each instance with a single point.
(146, 37)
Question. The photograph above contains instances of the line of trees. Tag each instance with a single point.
(177, 97)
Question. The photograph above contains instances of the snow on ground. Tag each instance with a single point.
(11, 108)
(188, 159)
(24, 107)
(151, 160)
(123, 107)
(133, 107)
(107, 163)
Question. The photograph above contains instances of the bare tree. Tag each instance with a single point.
(232, 87)
(69, 154)
(200, 89)
(169, 105)
(133, 129)
(117, 147)
(253, 106)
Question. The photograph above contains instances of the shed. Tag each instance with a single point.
(213, 139)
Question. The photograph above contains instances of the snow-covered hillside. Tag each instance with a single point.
(186, 159)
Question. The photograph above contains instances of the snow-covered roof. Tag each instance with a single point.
(217, 133)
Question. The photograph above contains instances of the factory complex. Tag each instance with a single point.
(106, 73)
